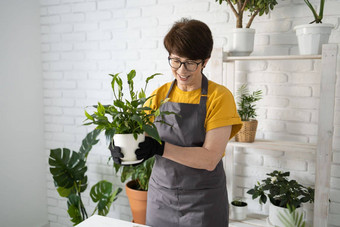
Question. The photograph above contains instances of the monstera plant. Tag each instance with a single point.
(68, 169)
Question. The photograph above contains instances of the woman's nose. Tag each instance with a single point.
(181, 69)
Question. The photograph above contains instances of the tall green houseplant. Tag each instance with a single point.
(68, 169)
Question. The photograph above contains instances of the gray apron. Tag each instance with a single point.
(178, 195)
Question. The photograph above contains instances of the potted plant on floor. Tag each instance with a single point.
(241, 41)
(126, 122)
(68, 169)
(281, 193)
(311, 36)
(246, 110)
(239, 209)
(137, 186)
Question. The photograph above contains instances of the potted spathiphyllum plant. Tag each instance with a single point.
(246, 110)
(68, 169)
(312, 36)
(241, 40)
(239, 209)
(282, 193)
(126, 122)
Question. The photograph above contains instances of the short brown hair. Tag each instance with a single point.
(189, 38)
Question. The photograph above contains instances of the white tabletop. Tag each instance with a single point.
(101, 221)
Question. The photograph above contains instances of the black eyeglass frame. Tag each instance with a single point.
(184, 63)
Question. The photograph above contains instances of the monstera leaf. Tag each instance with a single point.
(66, 167)
(88, 142)
(74, 209)
(102, 193)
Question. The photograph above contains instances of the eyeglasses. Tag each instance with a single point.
(190, 66)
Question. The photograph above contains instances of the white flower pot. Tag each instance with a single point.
(311, 37)
(238, 213)
(274, 211)
(240, 42)
(128, 146)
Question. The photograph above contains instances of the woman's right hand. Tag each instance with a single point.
(116, 153)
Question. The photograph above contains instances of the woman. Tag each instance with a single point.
(188, 184)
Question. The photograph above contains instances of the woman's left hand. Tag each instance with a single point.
(149, 148)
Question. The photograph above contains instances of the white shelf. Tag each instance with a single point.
(227, 58)
(274, 145)
(224, 72)
(252, 220)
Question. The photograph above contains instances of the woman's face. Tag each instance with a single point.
(187, 80)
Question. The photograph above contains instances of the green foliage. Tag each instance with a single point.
(68, 169)
(126, 116)
(317, 17)
(255, 7)
(291, 217)
(239, 203)
(281, 191)
(246, 106)
(140, 173)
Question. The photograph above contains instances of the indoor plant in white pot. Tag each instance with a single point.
(241, 40)
(311, 36)
(126, 121)
(239, 209)
(281, 193)
(246, 110)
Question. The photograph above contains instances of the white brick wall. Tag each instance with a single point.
(83, 41)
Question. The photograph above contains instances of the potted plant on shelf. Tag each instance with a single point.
(126, 122)
(68, 169)
(281, 193)
(311, 36)
(246, 110)
(239, 209)
(241, 41)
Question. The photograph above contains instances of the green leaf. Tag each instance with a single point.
(65, 192)
(152, 132)
(101, 193)
(88, 142)
(74, 209)
(66, 168)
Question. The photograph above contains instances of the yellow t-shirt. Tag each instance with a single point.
(221, 107)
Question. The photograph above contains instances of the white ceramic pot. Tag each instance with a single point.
(311, 37)
(274, 211)
(240, 42)
(128, 146)
(238, 213)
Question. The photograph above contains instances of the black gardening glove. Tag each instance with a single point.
(149, 148)
(116, 153)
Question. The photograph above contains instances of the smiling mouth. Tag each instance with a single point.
(183, 77)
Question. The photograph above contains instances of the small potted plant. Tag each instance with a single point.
(246, 110)
(281, 193)
(126, 121)
(68, 169)
(241, 42)
(239, 210)
(311, 36)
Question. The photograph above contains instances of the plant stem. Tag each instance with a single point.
(235, 12)
(252, 18)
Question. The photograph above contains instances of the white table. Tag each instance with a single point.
(101, 221)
